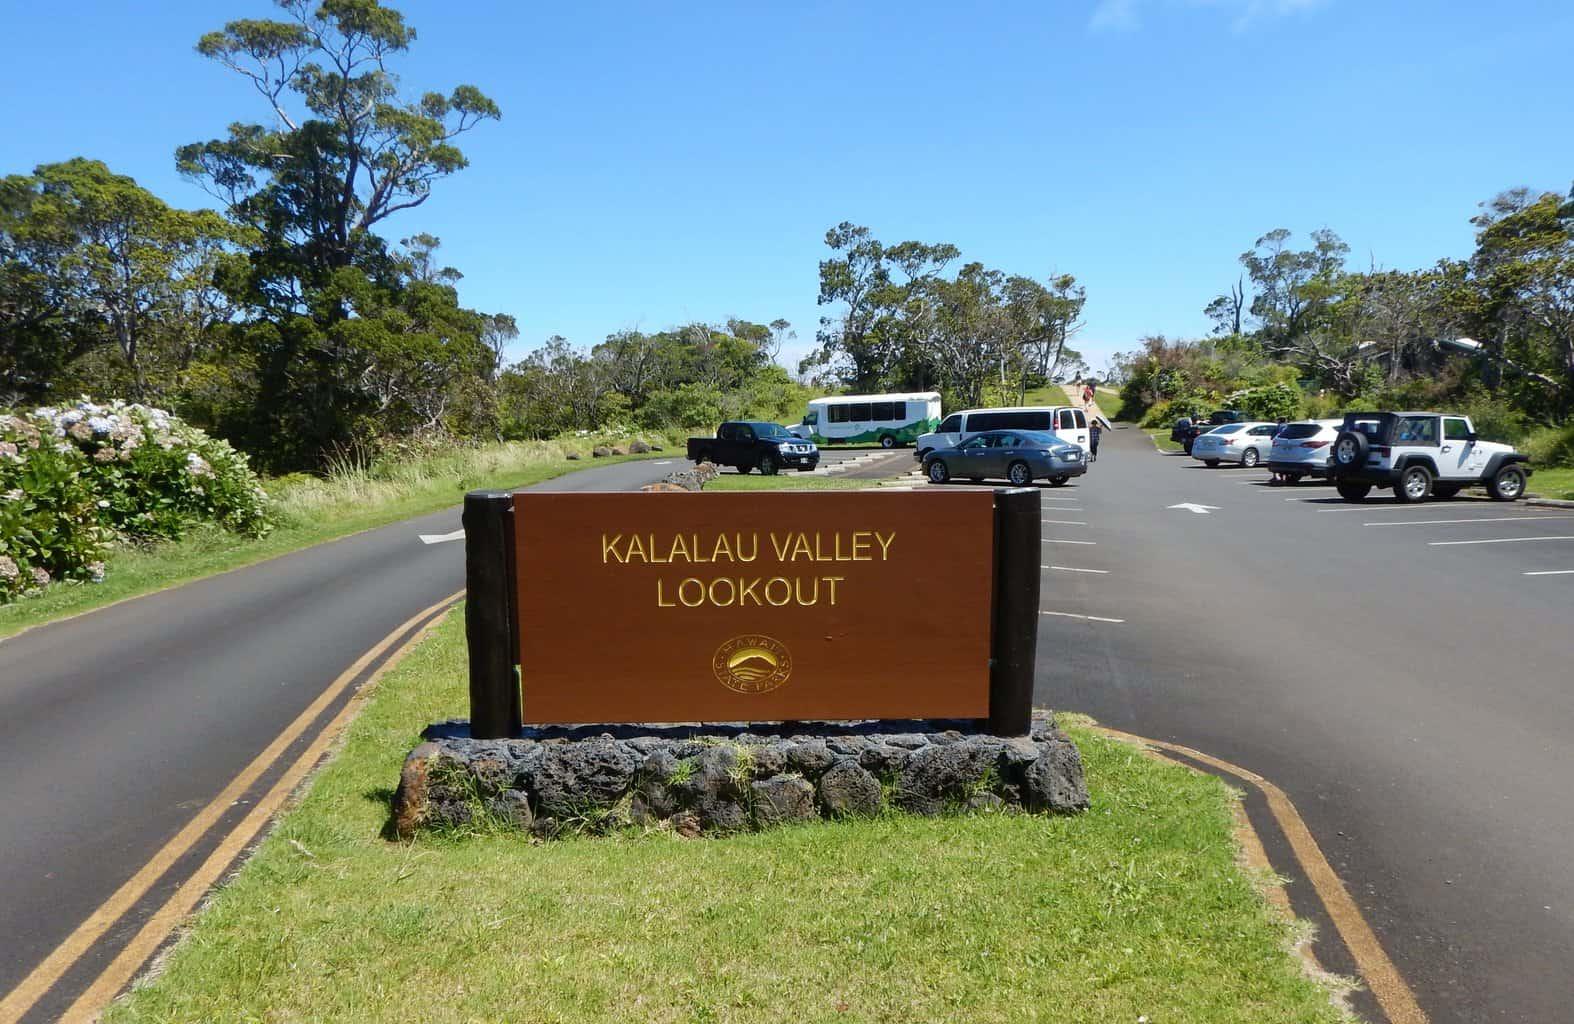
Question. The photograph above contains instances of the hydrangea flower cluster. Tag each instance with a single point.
(74, 478)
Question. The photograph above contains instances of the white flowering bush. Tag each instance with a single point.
(77, 477)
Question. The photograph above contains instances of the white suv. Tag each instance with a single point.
(1420, 454)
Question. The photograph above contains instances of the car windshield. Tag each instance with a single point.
(769, 430)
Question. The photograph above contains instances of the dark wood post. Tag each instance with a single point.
(491, 626)
(1014, 638)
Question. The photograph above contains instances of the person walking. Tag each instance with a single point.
(1087, 393)
(1094, 430)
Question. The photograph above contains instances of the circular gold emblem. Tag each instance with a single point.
(752, 663)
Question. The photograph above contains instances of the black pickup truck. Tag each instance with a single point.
(1187, 428)
(746, 445)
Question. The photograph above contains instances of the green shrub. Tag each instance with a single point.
(1269, 402)
(75, 477)
(1550, 446)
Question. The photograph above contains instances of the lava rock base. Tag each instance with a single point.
(717, 779)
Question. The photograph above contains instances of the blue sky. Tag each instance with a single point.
(657, 165)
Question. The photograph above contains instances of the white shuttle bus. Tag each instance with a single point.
(885, 420)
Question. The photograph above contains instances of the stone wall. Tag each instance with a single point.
(727, 779)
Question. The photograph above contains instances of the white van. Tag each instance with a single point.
(886, 420)
(1064, 421)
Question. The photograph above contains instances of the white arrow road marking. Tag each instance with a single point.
(439, 538)
(1192, 506)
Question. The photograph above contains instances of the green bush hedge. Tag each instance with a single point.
(75, 478)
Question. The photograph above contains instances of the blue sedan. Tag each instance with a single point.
(1020, 456)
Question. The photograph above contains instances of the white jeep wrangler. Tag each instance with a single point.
(1420, 454)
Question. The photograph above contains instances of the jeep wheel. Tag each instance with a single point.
(1353, 491)
(1350, 449)
(1019, 474)
(1444, 490)
(939, 473)
(887, 441)
(1414, 485)
(1249, 458)
(1508, 484)
(1211, 463)
(768, 465)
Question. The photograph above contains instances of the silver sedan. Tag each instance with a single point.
(1246, 443)
(1020, 456)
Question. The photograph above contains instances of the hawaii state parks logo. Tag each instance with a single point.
(752, 663)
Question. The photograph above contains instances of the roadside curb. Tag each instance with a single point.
(1382, 978)
(1550, 502)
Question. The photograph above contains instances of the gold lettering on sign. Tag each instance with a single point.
(752, 591)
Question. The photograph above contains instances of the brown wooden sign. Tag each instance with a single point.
(664, 607)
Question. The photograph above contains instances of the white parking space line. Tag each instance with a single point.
(1449, 522)
(1551, 572)
(1073, 522)
(1495, 540)
(1085, 618)
(1067, 568)
(1401, 507)
(1089, 542)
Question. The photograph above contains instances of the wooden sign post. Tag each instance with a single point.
(785, 606)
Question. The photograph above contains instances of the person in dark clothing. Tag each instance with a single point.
(1094, 430)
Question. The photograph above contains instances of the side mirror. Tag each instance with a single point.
(1471, 437)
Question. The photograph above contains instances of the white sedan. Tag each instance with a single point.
(1245, 443)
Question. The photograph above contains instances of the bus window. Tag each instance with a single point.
(858, 411)
(837, 413)
(882, 411)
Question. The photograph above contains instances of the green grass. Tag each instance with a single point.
(1161, 437)
(1557, 482)
(311, 510)
(785, 482)
(1135, 908)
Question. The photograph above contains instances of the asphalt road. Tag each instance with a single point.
(1396, 671)
(1398, 674)
(117, 725)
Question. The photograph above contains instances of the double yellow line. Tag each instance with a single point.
(164, 920)
(1387, 985)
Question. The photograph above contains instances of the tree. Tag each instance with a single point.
(1292, 288)
(1225, 310)
(90, 260)
(344, 154)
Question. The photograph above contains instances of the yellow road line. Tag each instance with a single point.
(167, 918)
(51, 968)
(1387, 985)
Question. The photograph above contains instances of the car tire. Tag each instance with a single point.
(1350, 449)
(938, 472)
(1059, 480)
(1250, 458)
(887, 441)
(1414, 485)
(1211, 463)
(1292, 478)
(1440, 490)
(1508, 484)
(1019, 474)
(742, 469)
(768, 464)
(1354, 491)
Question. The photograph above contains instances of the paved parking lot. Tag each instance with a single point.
(1402, 671)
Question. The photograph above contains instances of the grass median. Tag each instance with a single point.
(1134, 909)
(310, 510)
(1556, 482)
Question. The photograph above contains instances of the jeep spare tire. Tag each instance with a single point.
(1507, 484)
(1350, 449)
